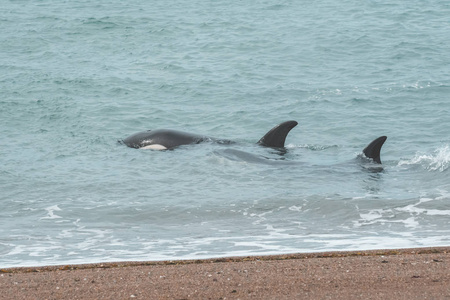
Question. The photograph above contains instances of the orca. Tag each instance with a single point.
(163, 139)
(374, 148)
(371, 152)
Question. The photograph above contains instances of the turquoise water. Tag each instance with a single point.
(77, 76)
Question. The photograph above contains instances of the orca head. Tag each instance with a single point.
(143, 139)
(162, 139)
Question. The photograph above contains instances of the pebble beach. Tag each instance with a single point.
(421, 273)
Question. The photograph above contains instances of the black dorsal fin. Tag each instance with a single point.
(373, 149)
(277, 135)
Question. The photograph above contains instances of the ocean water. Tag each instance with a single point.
(77, 76)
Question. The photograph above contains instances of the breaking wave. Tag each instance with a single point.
(439, 160)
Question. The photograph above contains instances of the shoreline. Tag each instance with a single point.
(412, 273)
(274, 257)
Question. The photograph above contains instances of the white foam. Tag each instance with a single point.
(370, 216)
(439, 160)
(413, 209)
(295, 208)
(51, 212)
(411, 222)
(436, 212)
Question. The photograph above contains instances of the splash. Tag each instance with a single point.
(439, 160)
(51, 212)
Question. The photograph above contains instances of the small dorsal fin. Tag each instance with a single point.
(373, 149)
(277, 135)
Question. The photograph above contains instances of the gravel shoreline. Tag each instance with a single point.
(418, 273)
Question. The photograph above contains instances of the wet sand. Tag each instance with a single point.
(422, 273)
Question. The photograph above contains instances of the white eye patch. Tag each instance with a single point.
(154, 147)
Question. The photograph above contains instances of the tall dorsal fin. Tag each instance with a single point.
(373, 149)
(277, 135)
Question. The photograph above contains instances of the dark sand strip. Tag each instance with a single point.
(422, 273)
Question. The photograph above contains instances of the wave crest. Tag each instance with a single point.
(439, 160)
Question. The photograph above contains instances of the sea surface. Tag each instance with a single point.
(76, 77)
